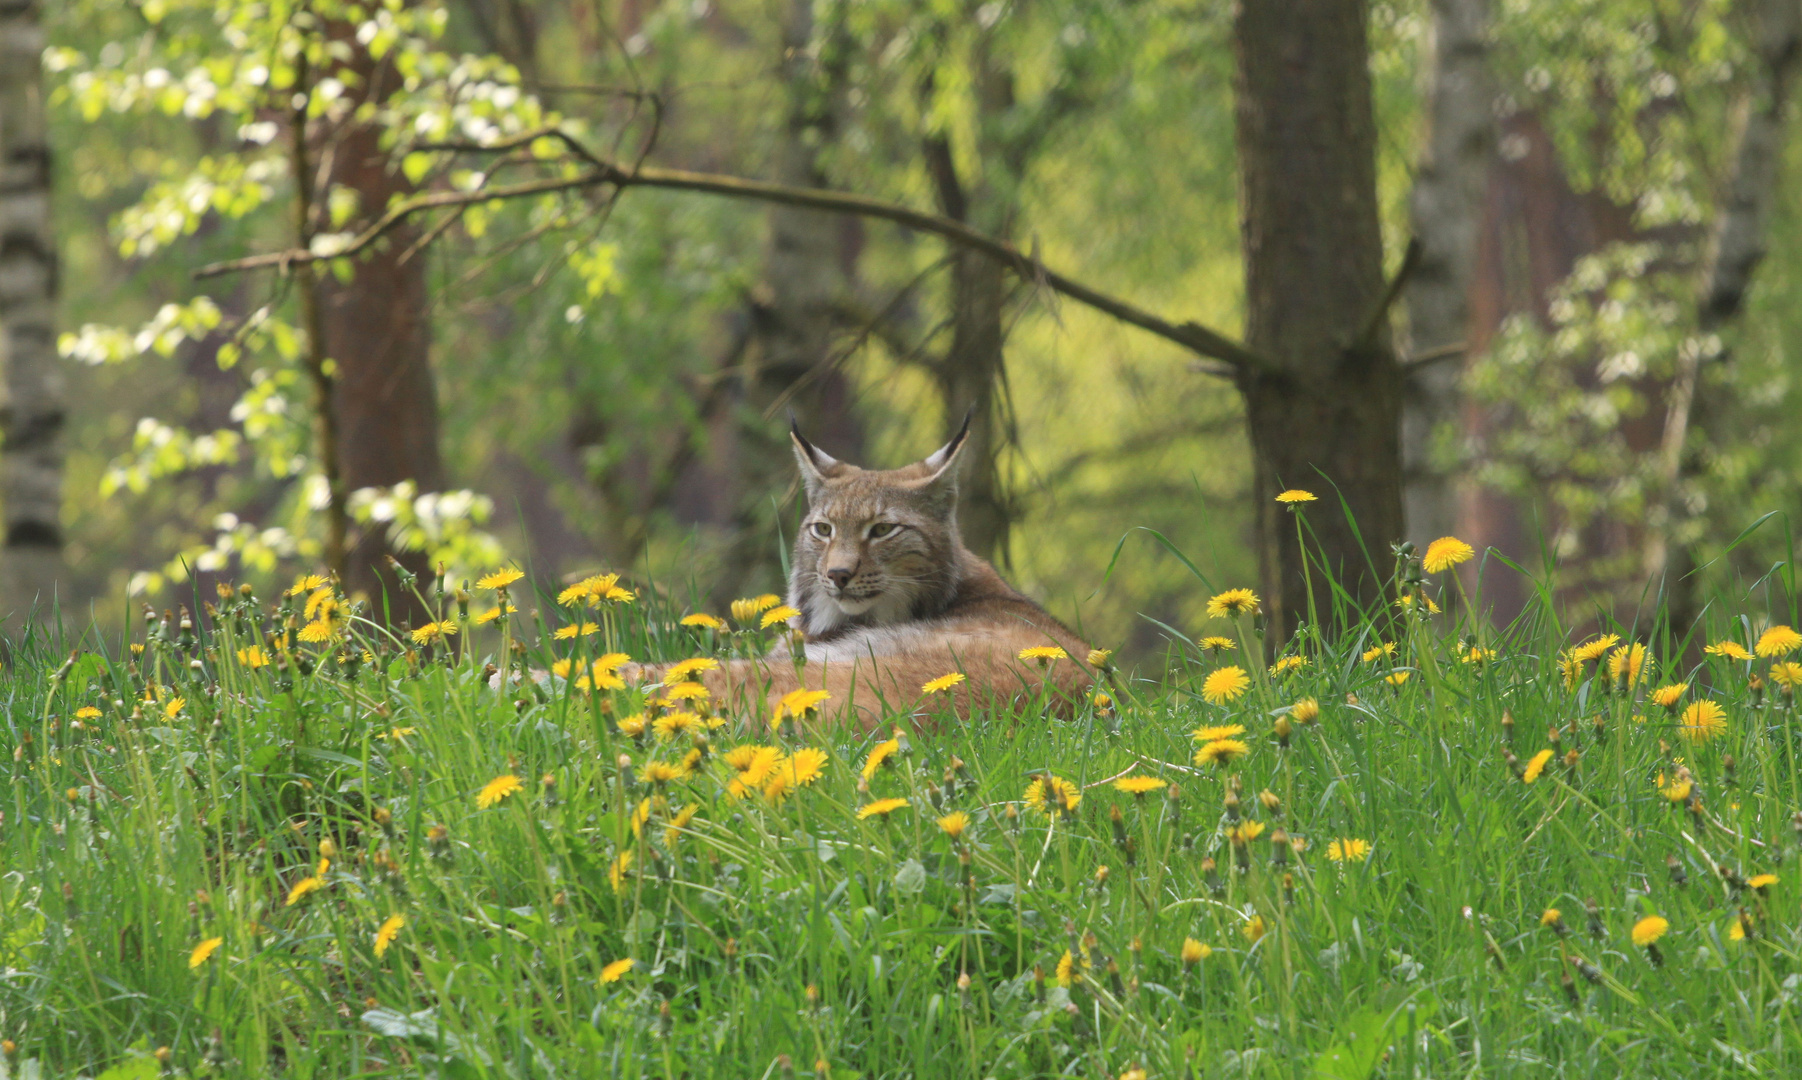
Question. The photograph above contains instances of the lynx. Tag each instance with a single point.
(890, 599)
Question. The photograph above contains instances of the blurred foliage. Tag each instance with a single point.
(575, 336)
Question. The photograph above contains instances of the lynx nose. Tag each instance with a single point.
(839, 578)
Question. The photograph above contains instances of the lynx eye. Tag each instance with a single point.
(823, 530)
(882, 529)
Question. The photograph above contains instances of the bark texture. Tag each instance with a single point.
(31, 473)
(377, 329)
(1329, 419)
(1738, 244)
(1446, 210)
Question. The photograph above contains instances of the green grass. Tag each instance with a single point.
(795, 939)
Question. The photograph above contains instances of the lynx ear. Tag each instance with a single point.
(940, 485)
(941, 462)
(817, 466)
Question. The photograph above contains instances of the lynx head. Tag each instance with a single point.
(876, 546)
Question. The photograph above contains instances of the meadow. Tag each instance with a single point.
(281, 840)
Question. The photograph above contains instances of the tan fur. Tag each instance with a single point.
(906, 607)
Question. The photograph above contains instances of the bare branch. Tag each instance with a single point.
(1190, 335)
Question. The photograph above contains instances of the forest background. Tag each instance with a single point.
(1585, 357)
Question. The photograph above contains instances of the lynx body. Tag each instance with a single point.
(890, 599)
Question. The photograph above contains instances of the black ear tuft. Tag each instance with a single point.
(945, 454)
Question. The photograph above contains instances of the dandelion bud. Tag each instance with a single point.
(1589, 971)
(1100, 876)
(1288, 890)
(1194, 952)
(1115, 819)
(1553, 735)
(1279, 848)
(1514, 765)
(1596, 929)
(8, 1047)
(813, 995)
(1679, 876)
(1271, 803)
(625, 771)
(1038, 983)
(1508, 727)
(1305, 711)
(1210, 873)
(1570, 762)
(1553, 919)
(1282, 729)
(162, 1054)
(731, 948)
(1570, 988)
(1232, 806)
(1727, 766)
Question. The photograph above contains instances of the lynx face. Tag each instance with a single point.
(876, 546)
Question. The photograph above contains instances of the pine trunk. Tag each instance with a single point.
(1328, 419)
(32, 419)
(1447, 214)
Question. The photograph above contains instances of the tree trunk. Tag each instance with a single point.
(788, 359)
(1447, 214)
(971, 376)
(32, 419)
(377, 329)
(1329, 419)
(1738, 245)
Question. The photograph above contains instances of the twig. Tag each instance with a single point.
(1373, 323)
(1191, 335)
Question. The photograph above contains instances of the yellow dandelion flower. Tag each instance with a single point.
(1730, 650)
(500, 579)
(686, 691)
(1194, 952)
(305, 584)
(879, 755)
(777, 616)
(1702, 721)
(1407, 602)
(1233, 602)
(1397, 678)
(1787, 674)
(1297, 495)
(1474, 655)
(433, 631)
(804, 766)
(1059, 796)
(1217, 644)
(620, 870)
(174, 707)
(709, 622)
(203, 951)
(1044, 654)
(1254, 929)
(673, 831)
(754, 764)
(493, 613)
(1225, 685)
(1536, 766)
(942, 683)
(1778, 641)
(1305, 711)
(671, 725)
(880, 808)
(954, 824)
(746, 610)
(253, 657)
(1069, 969)
(1098, 658)
(497, 789)
(1668, 696)
(589, 590)
(686, 670)
(798, 703)
(390, 930)
(1288, 664)
(1245, 832)
(1445, 553)
(317, 631)
(1221, 752)
(1761, 881)
(1378, 651)
(1594, 650)
(573, 630)
(658, 773)
(1678, 789)
(631, 726)
(1139, 786)
(1649, 929)
(1350, 849)
(1627, 663)
(301, 888)
(87, 712)
(616, 971)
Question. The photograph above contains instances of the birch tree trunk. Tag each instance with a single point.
(1328, 417)
(1739, 243)
(33, 416)
(1447, 214)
